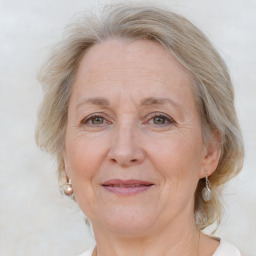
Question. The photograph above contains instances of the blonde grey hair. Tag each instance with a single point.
(211, 82)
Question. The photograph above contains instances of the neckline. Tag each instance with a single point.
(222, 246)
(219, 247)
(225, 247)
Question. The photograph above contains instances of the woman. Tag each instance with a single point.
(139, 111)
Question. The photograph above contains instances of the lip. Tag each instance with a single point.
(126, 187)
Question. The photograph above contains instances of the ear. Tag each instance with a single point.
(211, 155)
(66, 163)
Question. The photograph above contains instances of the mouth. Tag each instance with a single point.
(127, 187)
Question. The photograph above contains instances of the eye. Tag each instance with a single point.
(94, 120)
(160, 119)
(97, 120)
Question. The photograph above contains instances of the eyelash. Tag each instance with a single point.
(163, 116)
(89, 118)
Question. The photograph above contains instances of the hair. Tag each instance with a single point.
(210, 80)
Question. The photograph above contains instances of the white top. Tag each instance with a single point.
(224, 249)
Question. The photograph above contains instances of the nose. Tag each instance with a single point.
(126, 148)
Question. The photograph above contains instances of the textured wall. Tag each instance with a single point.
(34, 218)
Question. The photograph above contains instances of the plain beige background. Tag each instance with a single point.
(34, 218)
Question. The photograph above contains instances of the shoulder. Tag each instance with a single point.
(88, 252)
(226, 249)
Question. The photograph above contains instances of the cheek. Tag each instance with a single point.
(178, 160)
(84, 157)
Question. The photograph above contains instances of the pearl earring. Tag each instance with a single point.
(67, 189)
(206, 192)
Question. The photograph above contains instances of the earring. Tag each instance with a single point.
(67, 189)
(206, 192)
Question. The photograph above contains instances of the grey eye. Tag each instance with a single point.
(94, 120)
(159, 120)
(97, 120)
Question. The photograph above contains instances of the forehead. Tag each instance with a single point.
(146, 55)
(141, 67)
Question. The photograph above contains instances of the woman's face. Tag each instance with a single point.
(133, 148)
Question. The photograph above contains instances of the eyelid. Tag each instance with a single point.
(148, 117)
(160, 114)
(91, 116)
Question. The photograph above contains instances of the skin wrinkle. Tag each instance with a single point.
(147, 102)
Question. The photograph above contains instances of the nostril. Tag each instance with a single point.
(125, 155)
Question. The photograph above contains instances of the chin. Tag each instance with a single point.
(128, 222)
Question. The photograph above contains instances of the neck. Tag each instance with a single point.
(173, 240)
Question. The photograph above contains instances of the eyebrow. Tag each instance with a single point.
(163, 101)
(158, 101)
(151, 101)
(94, 101)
